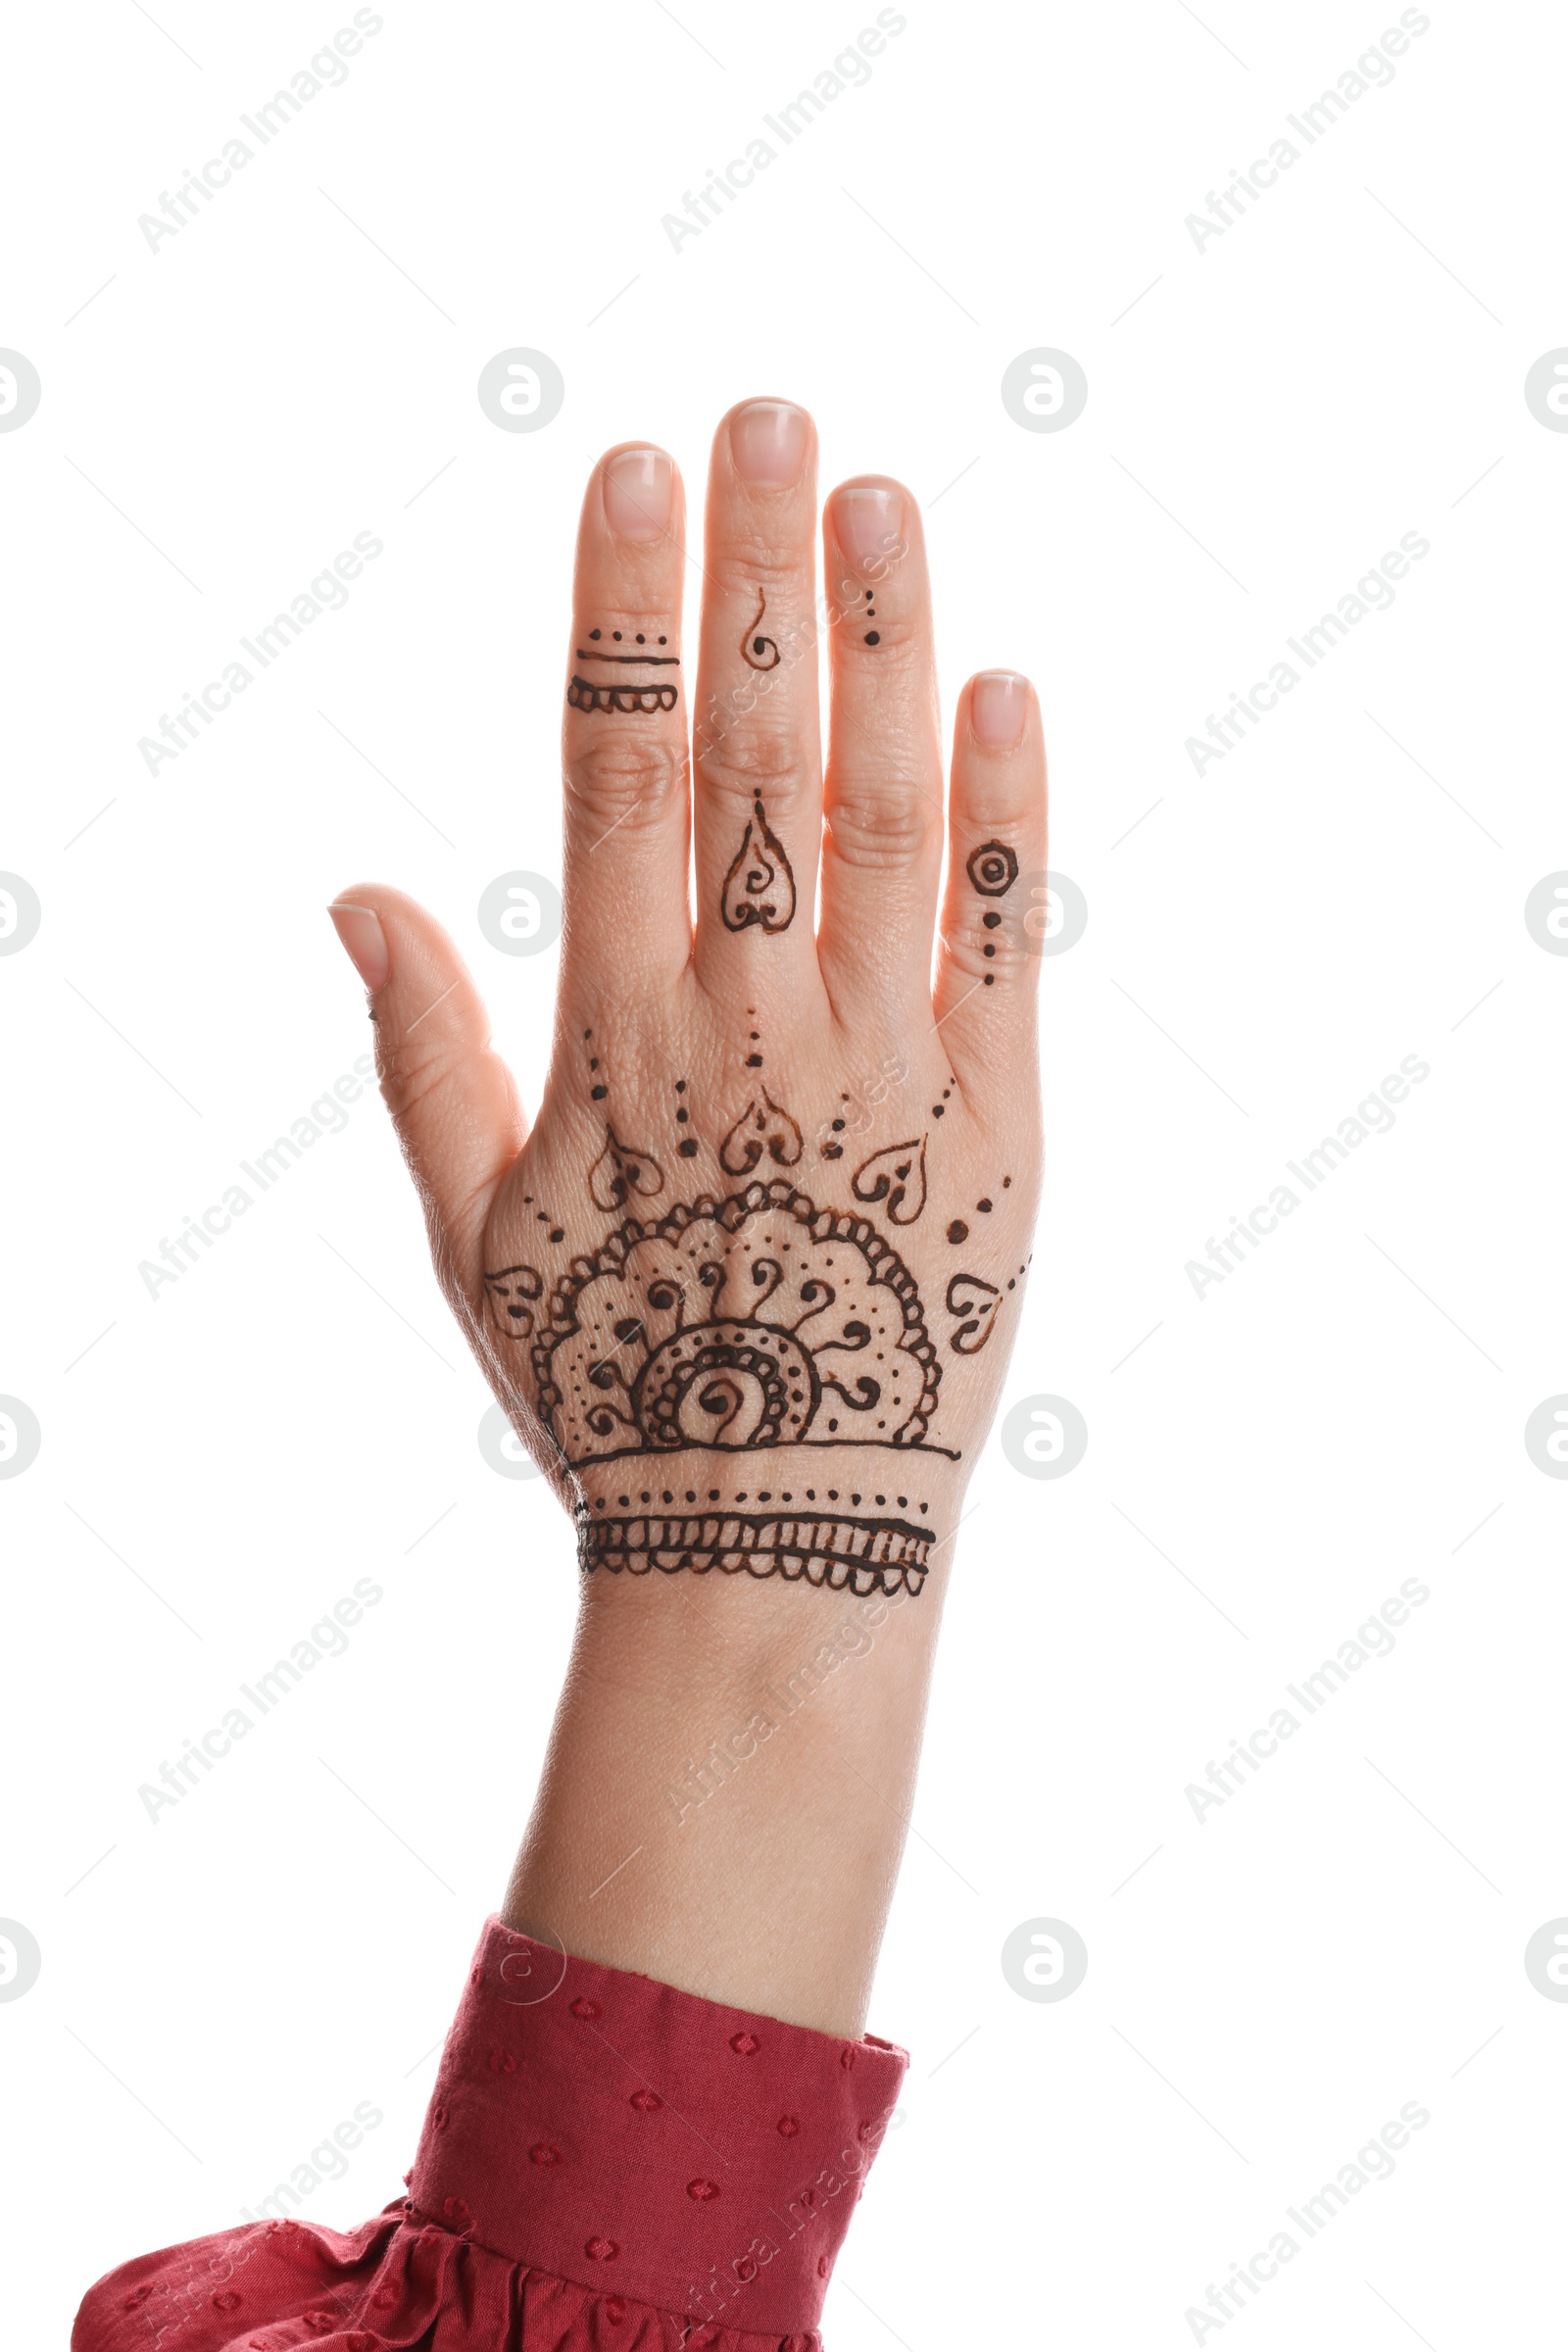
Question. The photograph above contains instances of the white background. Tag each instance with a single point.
(1343, 366)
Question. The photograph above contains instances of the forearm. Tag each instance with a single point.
(724, 1800)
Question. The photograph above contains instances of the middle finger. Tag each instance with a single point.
(756, 752)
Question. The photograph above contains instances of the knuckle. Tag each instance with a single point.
(412, 1072)
(881, 831)
(747, 561)
(751, 754)
(891, 650)
(991, 946)
(626, 778)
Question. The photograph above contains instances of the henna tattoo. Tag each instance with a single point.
(896, 1175)
(759, 887)
(557, 1232)
(761, 1126)
(511, 1293)
(872, 636)
(992, 868)
(975, 1302)
(657, 661)
(958, 1231)
(582, 695)
(718, 1318)
(719, 1330)
(621, 1170)
(687, 1147)
(762, 653)
(820, 1548)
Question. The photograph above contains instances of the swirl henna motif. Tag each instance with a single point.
(759, 887)
(762, 1127)
(762, 653)
(896, 1175)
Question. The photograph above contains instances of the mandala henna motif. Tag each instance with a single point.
(753, 1295)
(761, 1128)
(896, 1175)
(511, 1294)
(759, 887)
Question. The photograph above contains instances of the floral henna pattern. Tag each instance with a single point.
(722, 1326)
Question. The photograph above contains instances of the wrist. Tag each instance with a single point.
(857, 1520)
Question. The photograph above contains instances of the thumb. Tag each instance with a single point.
(452, 1100)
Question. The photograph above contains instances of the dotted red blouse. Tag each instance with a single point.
(607, 2165)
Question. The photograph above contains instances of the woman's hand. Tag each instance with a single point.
(748, 1284)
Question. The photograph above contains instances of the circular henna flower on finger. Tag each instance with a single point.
(992, 868)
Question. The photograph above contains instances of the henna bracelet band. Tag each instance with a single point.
(857, 1556)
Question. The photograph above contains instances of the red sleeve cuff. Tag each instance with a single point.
(648, 2143)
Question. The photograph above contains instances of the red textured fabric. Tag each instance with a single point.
(607, 2165)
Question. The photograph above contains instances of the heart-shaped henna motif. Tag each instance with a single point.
(896, 1175)
(759, 887)
(511, 1293)
(975, 1302)
(762, 1127)
(621, 1170)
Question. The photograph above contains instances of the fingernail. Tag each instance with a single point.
(767, 442)
(360, 930)
(999, 706)
(867, 522)
(639, 489)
